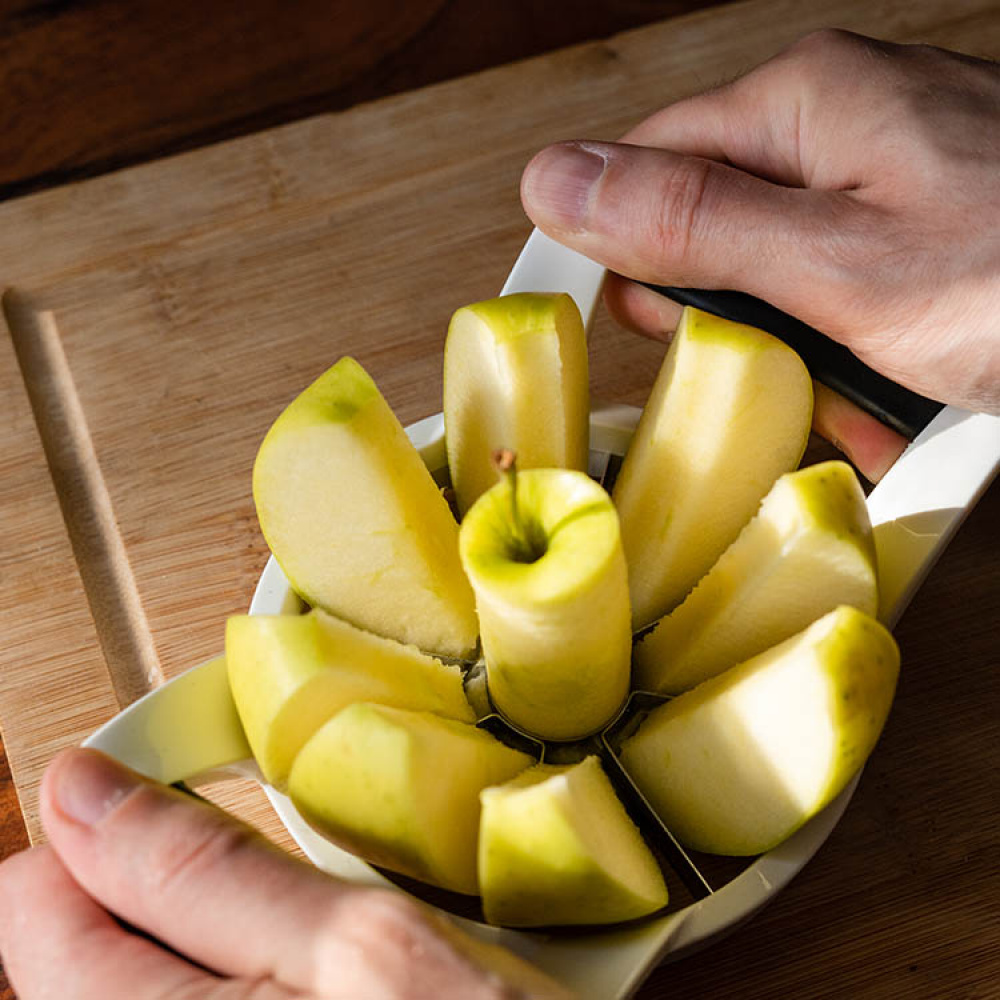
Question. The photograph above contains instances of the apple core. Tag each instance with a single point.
(543, 552)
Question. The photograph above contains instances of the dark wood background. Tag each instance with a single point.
(89, 86)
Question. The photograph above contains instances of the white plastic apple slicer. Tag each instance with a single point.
(189, 728)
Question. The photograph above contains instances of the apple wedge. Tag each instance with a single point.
(556, 847)
(808, 550)
(401, 789)
(291, 673)
(730, 412)
(355, 520)
(543, 552)
(740, 762)
(515, 376)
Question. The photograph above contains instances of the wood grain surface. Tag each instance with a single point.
(169, 311)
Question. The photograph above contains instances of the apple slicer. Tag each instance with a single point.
(189, 727)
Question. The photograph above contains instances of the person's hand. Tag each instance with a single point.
(144, 893)
(853, 183)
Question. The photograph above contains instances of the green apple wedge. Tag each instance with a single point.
(739, 763)
(808, 550)
(355, 520)
(515, 376)
(556, 847)
(401, 789)
(730, 412)
(543, 552)
(291, 673)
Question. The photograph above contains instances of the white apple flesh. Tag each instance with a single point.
(355, 520)
(556, 847)
(546, 563)
(739, 763)
(730, 412)
(291, 673)
(808, 550)
(515, 376)
(401, 789)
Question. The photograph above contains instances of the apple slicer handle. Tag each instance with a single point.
(186, 728)
(922, 500)
(828, 361)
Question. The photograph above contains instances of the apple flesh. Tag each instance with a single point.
(515, 376)
(739, 763)
(544, 555)
(401, 789)
(355, 520)
(808, 550)
(291, 673)
(730, 412)
(556, 847)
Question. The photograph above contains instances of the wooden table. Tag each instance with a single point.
(193, 296)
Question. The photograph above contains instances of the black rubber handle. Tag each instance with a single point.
(828, 362)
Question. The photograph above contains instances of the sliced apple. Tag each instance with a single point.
(729, 413)
(401, 789)
(291, 673)
(808, 550)
(740, 762)
(355, 520)
(515, 376)
(544, 555)
(557, 847)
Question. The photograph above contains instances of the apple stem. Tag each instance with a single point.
(505, 463)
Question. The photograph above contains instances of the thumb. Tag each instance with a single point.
(655, 215)
(215, 892)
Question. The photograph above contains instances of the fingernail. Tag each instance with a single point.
(88, 785)
(560, 181)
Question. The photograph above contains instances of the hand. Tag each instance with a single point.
(213, 911)
(850, 182)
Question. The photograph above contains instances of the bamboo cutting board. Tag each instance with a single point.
(164, 315)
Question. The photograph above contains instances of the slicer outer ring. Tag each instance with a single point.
(613, 963)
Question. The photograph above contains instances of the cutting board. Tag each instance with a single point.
(165, 314)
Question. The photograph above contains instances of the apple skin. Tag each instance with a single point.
(808, 550)
(556, 847)
(555, 630)
(401, 789)
(355, 520)
(730, 412)
(291, 673)
(739, 763)
(515, 376)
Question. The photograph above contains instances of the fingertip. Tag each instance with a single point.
(871, 446)
(17, 871)
(639, 309)
(81, 786)
(558, 184)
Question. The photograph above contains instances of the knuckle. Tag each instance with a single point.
(182, 861)
(390, 917)
(829, 41)
(380, 932)
(826, 53)
(683, 196)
